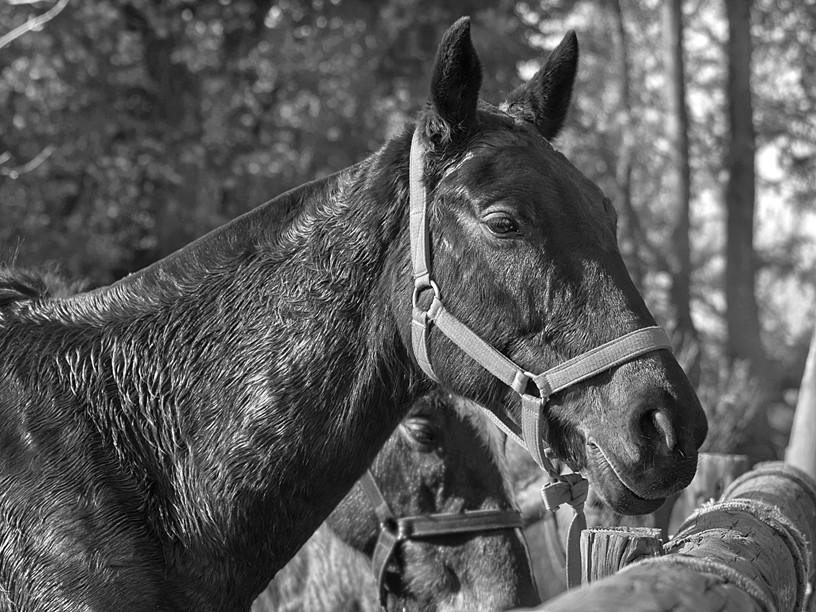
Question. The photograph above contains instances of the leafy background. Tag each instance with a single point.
(132, 127)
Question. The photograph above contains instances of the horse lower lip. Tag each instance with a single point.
(598, 453)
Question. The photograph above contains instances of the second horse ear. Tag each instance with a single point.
(544, 100)
(455, 84)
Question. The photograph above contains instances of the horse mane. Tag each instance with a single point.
(21, 283)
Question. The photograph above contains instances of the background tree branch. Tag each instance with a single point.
(33, 23)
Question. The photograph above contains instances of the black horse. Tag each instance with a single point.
(170, 441)
(444, 459)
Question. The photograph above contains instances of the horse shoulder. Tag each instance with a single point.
(64, 506)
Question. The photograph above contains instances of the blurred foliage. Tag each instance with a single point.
(731, 399)
(171, 117)
(134, 126)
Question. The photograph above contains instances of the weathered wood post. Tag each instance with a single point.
(750, 552)
(776, 486)
(801, 451)
(605, 550)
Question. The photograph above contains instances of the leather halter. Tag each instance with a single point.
(395, 530)
(532, 432)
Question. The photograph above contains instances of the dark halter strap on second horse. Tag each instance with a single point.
(394, 530)
(532, 433)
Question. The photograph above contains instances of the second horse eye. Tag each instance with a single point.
(421, 433)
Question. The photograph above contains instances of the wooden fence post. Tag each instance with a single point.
(801, 451)
(605, 550)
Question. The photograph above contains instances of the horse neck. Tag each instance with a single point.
(274, 363)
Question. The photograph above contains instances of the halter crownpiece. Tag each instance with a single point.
(531, 434)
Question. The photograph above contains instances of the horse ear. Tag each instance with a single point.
(545, 98)
(457, 77)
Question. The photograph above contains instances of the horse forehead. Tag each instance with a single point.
(513, 160)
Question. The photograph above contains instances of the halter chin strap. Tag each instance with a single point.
(394, 530)
(532, 432)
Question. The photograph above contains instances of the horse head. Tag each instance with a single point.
(442, 463)
(524, 253)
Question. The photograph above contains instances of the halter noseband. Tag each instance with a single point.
(565, 488)
(394, 530)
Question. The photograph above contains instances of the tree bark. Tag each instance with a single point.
(685, 336)
(742, 318)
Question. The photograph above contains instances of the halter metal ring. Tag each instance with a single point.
(420, 285)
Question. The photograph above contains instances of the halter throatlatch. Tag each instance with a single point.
(532, 433)
(394, 530)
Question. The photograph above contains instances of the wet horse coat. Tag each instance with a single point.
(443, 458)
(169, 442)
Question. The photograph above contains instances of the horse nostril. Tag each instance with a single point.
(663, 428)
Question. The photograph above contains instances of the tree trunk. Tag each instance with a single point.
(744, 341)
(623, 169)
(743, 327)
(179, 209)
(686, 338)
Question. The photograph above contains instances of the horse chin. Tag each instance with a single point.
(616, 490)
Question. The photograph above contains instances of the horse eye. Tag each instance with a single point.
(421, 433)
(501, 224)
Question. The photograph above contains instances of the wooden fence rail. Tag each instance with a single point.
(751, 551)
